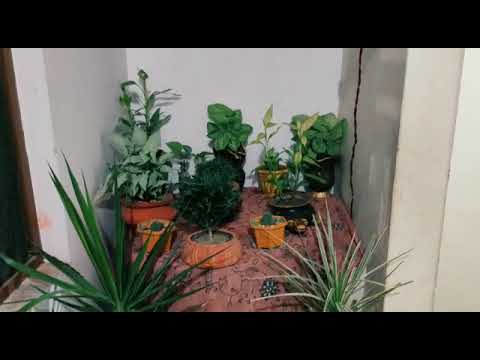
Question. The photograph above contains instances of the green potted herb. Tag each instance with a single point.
(290, 201)
(269, 230)
(208, 200)
(229, 136)
(122, 284)
(142, 166)
(325, 140)
(270, 167)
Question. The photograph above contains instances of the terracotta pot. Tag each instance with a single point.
(269, 236)
(194, 252)
(143, 230)
(263, 180)
(140, 211)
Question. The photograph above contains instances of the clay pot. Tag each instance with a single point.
(143, 230)
(140, 211)
(194, 252)
(263, 180)
(269, 236)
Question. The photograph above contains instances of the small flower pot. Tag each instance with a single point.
(229, 251)
(141, 211)
(264, 177)
(269, 236)
(144, 231)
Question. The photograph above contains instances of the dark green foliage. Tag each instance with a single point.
(326, 135)
(123, 285)
(268, 219)
(156, 226)
(208, 199)
(271, 160)
(226, 129)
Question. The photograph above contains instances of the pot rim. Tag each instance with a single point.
(227, 243)
(142, 204)
(283, 169)
(255, 224)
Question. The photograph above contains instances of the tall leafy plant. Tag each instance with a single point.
(328, 285)
(270, 158)
(124, 285)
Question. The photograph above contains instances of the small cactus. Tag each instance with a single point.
(268, 219)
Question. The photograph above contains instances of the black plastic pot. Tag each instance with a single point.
(293, 206)
(237, 161)
(324, 170)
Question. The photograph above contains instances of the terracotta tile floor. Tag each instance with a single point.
(25, 291)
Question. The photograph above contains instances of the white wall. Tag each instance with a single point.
(83, 87)
(32, 89)
(427, 126)
(459, 271)
(383, 72)
(294, 80)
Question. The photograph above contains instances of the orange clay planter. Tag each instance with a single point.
(263, 180)
(269, 236)
(194, 251)
(141, 211)
(143, 230)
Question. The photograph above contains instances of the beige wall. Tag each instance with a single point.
(427, 125)
(457, 283)
(378, 124)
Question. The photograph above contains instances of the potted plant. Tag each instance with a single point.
(142, 166)
(151, 231)
(270, 167)
(326, 285)
(290, 202)
(208, 200)
(269, 230)
(121, 284)
(325, 140)
(229, 136)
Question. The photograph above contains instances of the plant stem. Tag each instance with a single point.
(210, 234)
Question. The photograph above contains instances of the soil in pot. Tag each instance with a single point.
(198, 246)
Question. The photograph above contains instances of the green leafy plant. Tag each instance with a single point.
(208, 198)
(268, 219)
(226, 130)
(271, 158)
(326, 136)
(328, 285)
(124, 285)
(181, 154)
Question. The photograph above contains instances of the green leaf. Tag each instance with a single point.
(153, 143)
(139, 136)
(218, 113)
(267, 119)
(119, 144)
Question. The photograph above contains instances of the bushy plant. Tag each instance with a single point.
(271, 158)
(226, 130)
(123, 285)
(325, 285)
(208, 198)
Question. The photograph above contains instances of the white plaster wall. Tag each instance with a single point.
(83, 86)
(459, 271)
(427, 126)
(383, 72)
(32, 89)
(294, 80)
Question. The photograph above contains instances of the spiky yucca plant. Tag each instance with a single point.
(326, 285)
(124, 285)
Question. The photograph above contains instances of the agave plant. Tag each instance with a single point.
(329, 285)
(124, 285)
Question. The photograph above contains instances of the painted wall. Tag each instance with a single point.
(83, 86)
(457, 280)
(378, 124)
(34, 102)
(429, 110)
(294, 80)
